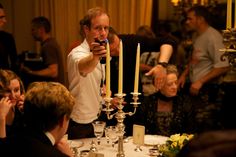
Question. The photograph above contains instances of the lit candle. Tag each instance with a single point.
(108, 74)
(229, 14)
(137, 69)
(120, 83)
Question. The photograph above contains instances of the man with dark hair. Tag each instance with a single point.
(205, 67)
(8, 53)
(49, 66)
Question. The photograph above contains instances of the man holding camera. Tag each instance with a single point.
(86, 73)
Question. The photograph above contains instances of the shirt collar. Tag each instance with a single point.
(50, 137)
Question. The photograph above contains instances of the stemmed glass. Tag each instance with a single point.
(98, 127)
(112, 134)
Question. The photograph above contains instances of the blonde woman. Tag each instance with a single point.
(11, 102)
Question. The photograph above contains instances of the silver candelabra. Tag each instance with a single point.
(120, 116)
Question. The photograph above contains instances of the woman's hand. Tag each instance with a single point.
(5, 106)
(20, 103)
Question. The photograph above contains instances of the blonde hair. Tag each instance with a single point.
(5, 79)
(172, 69)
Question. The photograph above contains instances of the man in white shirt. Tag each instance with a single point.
(86, 73)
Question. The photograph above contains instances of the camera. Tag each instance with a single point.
(102, 43)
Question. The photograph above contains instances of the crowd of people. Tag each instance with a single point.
(174, 100)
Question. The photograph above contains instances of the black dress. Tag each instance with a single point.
(180, 120)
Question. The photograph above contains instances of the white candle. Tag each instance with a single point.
(136, 79)
(108, 74)
(120, 82)
(229, 14)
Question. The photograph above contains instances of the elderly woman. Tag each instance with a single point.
(11, 102)
(165, 112)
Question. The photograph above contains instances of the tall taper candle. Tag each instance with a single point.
(136, 79)
(108, 73)
(120, 82)
(229, 14)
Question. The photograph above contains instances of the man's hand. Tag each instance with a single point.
(195, 87)
(98, 50)
(64, 147)
(159, 73)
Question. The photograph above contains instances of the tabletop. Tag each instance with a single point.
(129, 147)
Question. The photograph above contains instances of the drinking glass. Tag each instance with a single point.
(98, 127)
(113, 134)
(107, 134)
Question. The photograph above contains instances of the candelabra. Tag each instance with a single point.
(229, 40)
(120, 116)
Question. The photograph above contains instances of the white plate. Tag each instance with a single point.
(154, 139)
(75, 143)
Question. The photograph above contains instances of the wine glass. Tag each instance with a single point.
(113, 134)
(107, 134)
(98, 127)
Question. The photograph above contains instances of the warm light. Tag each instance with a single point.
(175, 2)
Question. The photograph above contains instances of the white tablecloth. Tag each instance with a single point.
(110, 151)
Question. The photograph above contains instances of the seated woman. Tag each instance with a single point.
(11, 102)
(165, 112)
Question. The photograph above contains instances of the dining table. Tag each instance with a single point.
(82, 146)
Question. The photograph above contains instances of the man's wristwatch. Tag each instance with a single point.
(164, 64)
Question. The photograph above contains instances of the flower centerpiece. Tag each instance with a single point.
(174, 144)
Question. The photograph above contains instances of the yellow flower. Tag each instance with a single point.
(174, 144)
(175, 137)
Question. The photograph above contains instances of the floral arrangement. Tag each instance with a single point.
(174, 144)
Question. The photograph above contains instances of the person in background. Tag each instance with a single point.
(50, 65)
(147, 61)
(86, 74)
(204, 68)
(47, 109)
(167, 112)
(8, 52)
(130, 42)
(11, 103)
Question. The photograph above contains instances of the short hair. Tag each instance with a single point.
(45, 105)
(201, 11)
(91, 13)
(172, 69)
(146, 31)
(42, 21)
(111, 35)
(5, 79)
